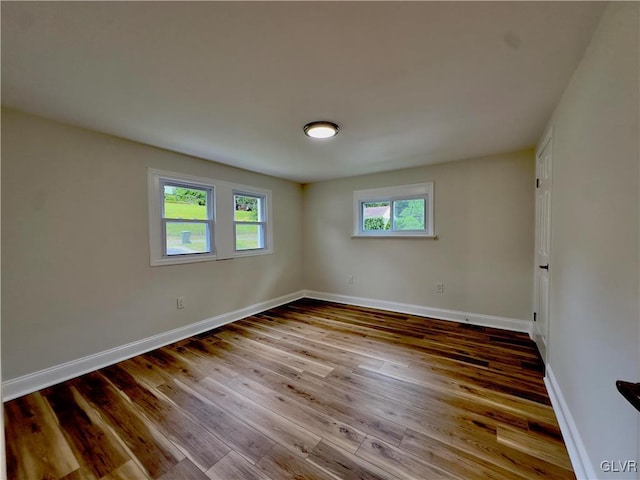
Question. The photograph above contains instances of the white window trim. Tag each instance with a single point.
(155, 180)
(400, 192)
(210, 221)
(223, 231)
(267, 224)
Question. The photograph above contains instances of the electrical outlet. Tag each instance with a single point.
(180, 302)
(350, 279)
(440, 287)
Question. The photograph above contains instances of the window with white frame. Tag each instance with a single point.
(195, 219)
(249, 221)
(401, 211)
(182, 218)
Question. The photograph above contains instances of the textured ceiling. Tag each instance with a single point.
(409, 83)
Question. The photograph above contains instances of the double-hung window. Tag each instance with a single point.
(195, 219)
(249, 221)
(401, 211)
(187, 218)
(182, 218)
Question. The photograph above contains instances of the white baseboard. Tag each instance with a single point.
(582, 466)
(503, 323)
(59, 373)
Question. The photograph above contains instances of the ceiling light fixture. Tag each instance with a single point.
(321, 129)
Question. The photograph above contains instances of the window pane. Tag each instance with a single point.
(247, 208)
(185, 237)
(186, 203)
(249, 237)
(408, 214)
(376, 216)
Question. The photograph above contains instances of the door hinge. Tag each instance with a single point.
(535, 315)
(537, 183)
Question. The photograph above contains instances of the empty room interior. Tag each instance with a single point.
(320, 240)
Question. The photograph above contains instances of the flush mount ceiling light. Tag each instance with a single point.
(321, 129)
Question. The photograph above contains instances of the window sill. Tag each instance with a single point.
(177, 260)
(415, 237)
(251, 253)
(206, 258)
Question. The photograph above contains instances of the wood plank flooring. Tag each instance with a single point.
(309, 390)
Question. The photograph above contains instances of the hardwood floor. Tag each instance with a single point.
(307, 390)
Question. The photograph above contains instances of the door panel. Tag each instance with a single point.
(543, 243)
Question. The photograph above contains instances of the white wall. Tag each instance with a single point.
(484, 212)
(76, 278)
(594, 314)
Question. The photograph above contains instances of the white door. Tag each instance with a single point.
(543, 240)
